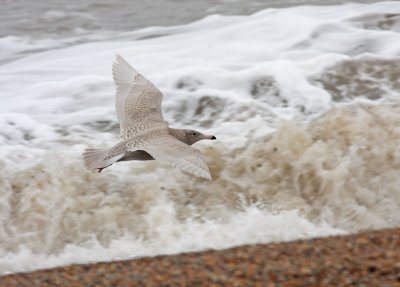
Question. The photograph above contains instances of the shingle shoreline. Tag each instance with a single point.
(366, 259)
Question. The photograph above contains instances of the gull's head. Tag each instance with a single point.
(192, 136)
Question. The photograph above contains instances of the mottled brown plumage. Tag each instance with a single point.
(144, 133)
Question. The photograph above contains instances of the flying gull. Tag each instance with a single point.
(144, 133)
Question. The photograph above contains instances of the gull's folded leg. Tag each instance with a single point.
(100, 169)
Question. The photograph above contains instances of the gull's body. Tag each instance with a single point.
(144, 133)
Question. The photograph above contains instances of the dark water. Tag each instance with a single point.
(63, 18)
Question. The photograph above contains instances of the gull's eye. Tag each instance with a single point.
(195, 134)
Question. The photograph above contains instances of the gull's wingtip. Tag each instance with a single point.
(119, 60)
(205, 175)
(122, 70)
(118, 57)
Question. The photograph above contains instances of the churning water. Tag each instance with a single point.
(304, 102)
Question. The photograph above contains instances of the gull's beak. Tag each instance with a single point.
(208, 137)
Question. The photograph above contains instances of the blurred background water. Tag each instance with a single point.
(63, 18)
(304, 101)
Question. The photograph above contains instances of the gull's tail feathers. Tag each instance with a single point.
(98, 159)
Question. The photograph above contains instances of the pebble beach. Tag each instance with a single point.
(366, 259)
(303, 97)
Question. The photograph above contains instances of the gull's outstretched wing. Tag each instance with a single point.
(169, 150)
(138, 101)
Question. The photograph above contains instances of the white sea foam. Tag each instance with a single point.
(303, 101)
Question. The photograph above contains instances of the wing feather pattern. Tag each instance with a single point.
(170, 150)
(138, 101)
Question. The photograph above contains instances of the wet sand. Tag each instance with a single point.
(366, 259)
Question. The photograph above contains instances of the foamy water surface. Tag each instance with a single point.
(304, 102)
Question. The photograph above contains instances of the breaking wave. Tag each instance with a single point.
(307, 138)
